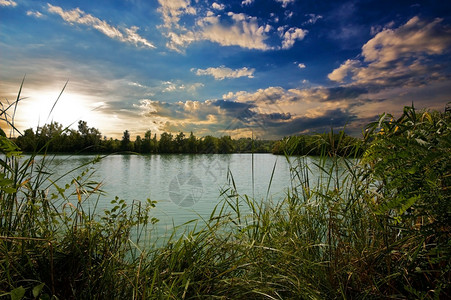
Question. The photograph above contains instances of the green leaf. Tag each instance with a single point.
(37, 290)
(17, 293)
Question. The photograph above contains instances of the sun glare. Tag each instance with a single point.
(42, 108)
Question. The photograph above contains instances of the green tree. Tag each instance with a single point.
(180, 142)
(166, 143)
(147, 142)
(191, 144)
(27, 141)
(225, 145)
(126, 144)
(209, 144)
(138, 144)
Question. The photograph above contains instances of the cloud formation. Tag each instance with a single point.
(244, 31)
(77, 16)
(223, 72)
(285, 2)
(345, 68)
(225, 29)
(219, 117)
(218, 6)
(290, 36)
(400, 56)
(312, 18)
(247, 2)
(301, 66)
(8, 3)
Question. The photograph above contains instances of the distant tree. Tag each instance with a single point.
(165, 144)
(126, 144)
(27, 141)
(138, 144)
(209, 144)
(147, 142)
(154, 144)
(225, 145)
(83, 128)
(191, 144)
(111, 145)
(180, 142)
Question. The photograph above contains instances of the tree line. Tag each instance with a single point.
(54, 138)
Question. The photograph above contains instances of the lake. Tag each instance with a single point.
(185, 186)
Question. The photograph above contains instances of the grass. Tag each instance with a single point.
(372, 228)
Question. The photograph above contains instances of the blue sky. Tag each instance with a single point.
(271, 67)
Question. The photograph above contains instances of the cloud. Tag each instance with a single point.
(416, 37)
(223, 72)
(247, 2)
(169, 86)
(244, 31)
(35, 14)
(333, 118)
(218, 6)
(77, 16)
(301, 66)
(312, 18)
(219, 117)
(285, 2)
(172, 10)
(179, 37)
(403, 56)
(341, 72)
(228, 29)
(310, 96)
(291, 35)
(8, 3)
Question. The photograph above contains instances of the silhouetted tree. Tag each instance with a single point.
(126, 144)
(165, 144)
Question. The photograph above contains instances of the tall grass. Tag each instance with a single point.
(369, 228)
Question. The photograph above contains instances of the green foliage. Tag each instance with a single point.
(411, 159)
(330, 144)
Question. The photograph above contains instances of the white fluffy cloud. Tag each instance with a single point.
(291, 35)
(244, 31)
(341, 72)
(223, 72)
(172, 10)
(8, 3)
(225, 29)
(416, 37)
(36, 14)
(218, 6)
(179, 37)
(247, 2)
(127, 35)
(399, 56)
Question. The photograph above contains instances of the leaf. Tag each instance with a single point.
(17, 293)
(37, 290)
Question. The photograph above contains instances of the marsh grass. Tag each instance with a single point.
(359, 232)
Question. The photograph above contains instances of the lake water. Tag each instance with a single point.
(185, 187)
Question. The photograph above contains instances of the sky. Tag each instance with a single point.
(267, 68)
